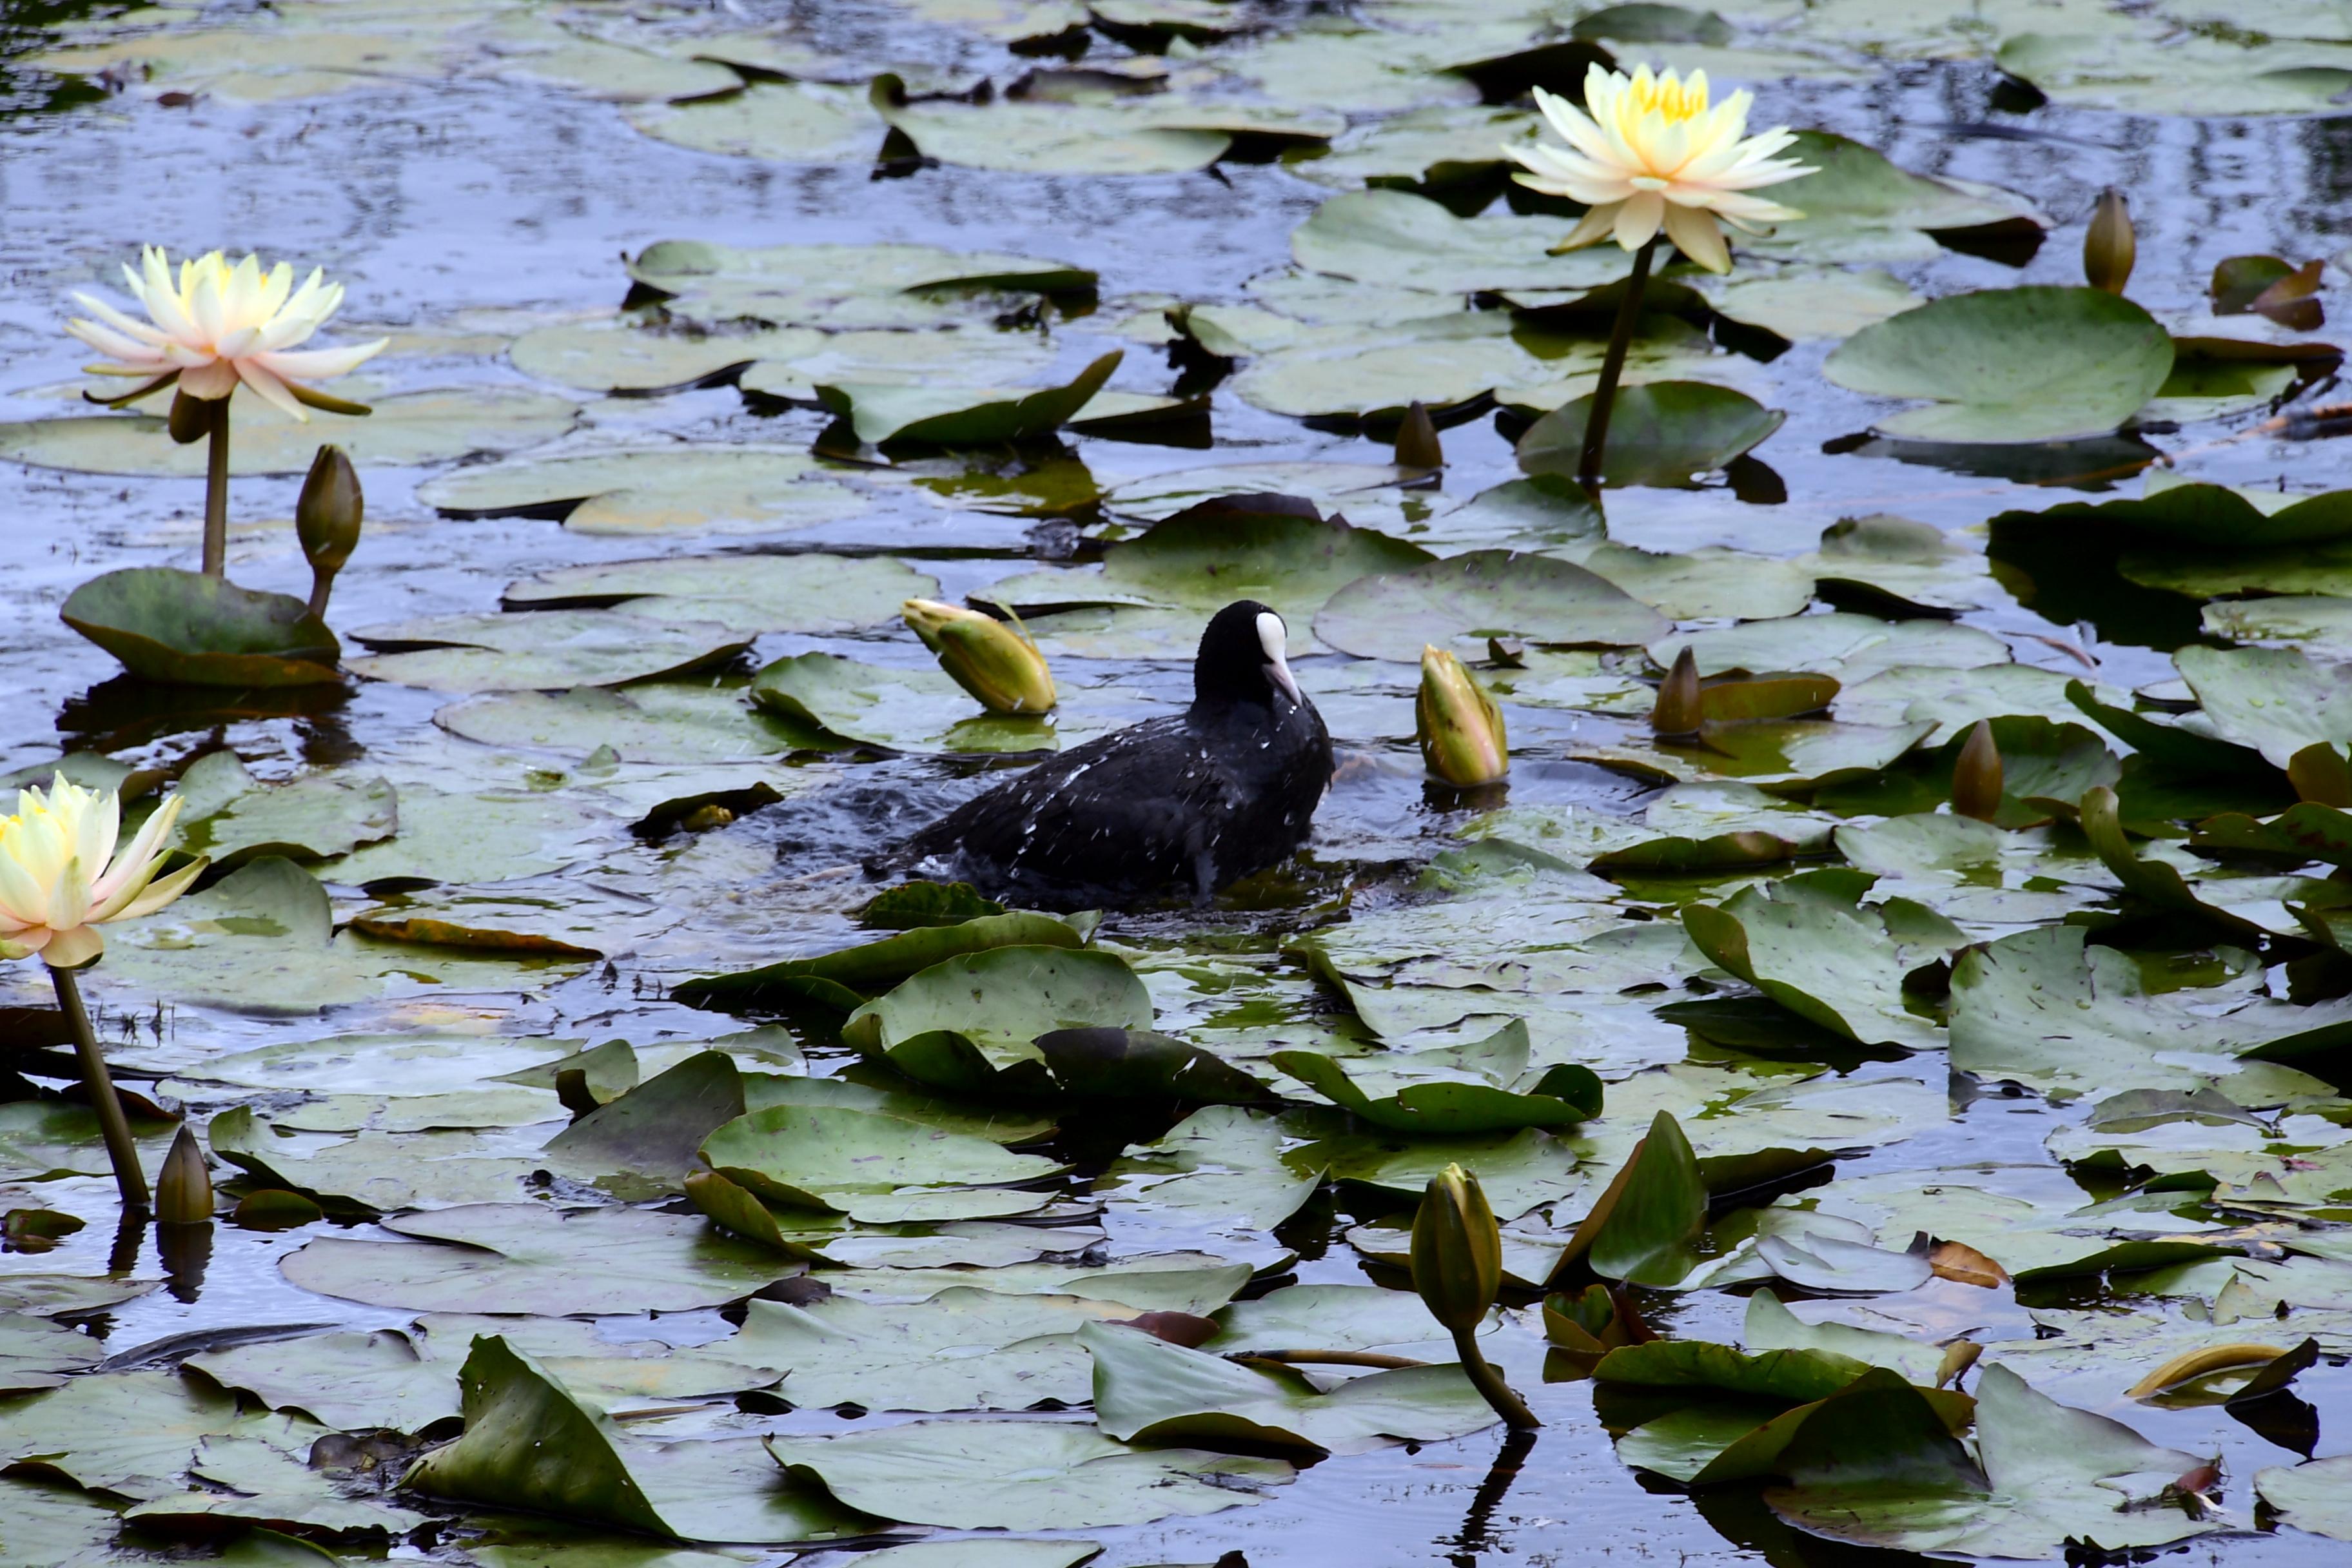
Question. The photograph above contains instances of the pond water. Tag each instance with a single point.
(479, 175)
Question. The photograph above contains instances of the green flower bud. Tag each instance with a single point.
(191, 419)
(1976, 777)
(1458, 726)
(999, 665)
(184, 1188)
(2109, 247)
(1677, 711)
(328, 516)
(1417, 445)
(1458, 1251)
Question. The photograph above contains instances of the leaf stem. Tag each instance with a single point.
(1490, 1385)
(1613, 369)
(216, 493)
(127, 1178)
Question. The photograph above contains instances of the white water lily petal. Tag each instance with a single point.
(61, 876)
(1654, 150)
(220, 323)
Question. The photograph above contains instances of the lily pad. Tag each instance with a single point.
(1402, 240)
(970, 1024)
(644, 725)
(1482, 594)
(229, 815)
(1835, 964)
(871, 1166)
(2035, 364)
(964, 1349)
(840, 285)
(783, 122)
(654, 489)
(530, 1257)
(904, 709)
(931, 414)
(1148, 1390)
(807, 592)
(406, 430)
(1662, 433)
(545, 650)
(1154, 134)
(1020, 1475)
(2276, 700)
(1451, 1089)
(186, 629)
(2233, 523)
(2310, 1496)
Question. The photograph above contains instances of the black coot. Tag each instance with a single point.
(1193, 801)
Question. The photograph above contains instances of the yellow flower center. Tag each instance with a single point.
(1670, 98)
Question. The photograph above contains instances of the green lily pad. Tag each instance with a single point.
(655, 490)
(1861, 207)
(2050, 1474)
(406, 430)
(904, 709)
(644, 725)
(1205, 557)
(1451, 1089)
(1805, 304)
(643, 1143)
(490, 836)
(2034, 364)
(1650, 1219)
(637, 356)
(1771, 1326)
(1020, 1475)
(1154, 134)
(1407, 241)
(782, 122)
(1221, 1168)
(870, 1166)
(35, 1353)
(1835, 964)
(134, 1433)
(806, 593)
(2233, 523)
(185, 629)
(351, 1380)
(1482, 594)
(930, 414)
(841, 285)
(530, 1257)
(964, 1349)
(2276, 700)
(2311, 1496)
(1148, 1390)
(876, 966)
(371, 1173)
(261, 939)
(1852, 647)
(530, 1445)
(970, 1024)
(229, 815)
(545, 650)
(1662, 433)
(2043, 1008)
(2163, 69)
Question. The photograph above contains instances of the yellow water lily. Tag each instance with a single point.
(1653, 152)
(218, 324)
(61, 878)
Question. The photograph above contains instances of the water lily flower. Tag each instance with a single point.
(1655, 152)
(61, 876)
(986, 657)
(219, 324)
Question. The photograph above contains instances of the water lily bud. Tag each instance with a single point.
(1976, 777)
(184, 1188)
(1677, 711)
(1458, 726)
(328, 516)
(191, 419)
(2109, 247)
(988, 658)
(1457, 1251)
(1417, 445)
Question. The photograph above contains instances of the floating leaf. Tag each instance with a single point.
(906, 709)
(1485, 593)
(970, 1024)
(186, 629)
(2034, 364)
(1019, 1475)
(227, 813)
(547, 650)
(1662, 433)
(1146, 1389)
(1451, 1089)
(871, 1166)
(807, 592)
(655, 490)
(406, 430)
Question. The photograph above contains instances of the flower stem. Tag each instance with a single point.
(1490, 1385)
(216, 493)
(127, 1178)
(1612, 368)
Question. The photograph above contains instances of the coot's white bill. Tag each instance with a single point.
(1275, 638)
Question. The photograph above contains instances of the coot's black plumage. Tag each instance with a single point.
(1193, 801)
